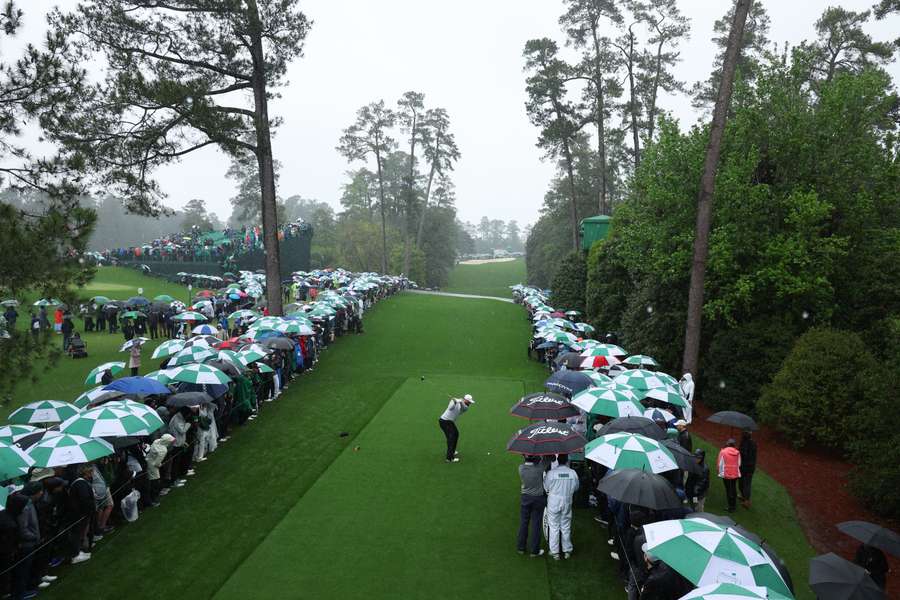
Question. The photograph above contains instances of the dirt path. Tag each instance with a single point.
(819, 486)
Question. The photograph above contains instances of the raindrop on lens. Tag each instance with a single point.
(722, 384)
(649, 310)
(805, 314)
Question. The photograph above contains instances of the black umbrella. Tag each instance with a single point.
(834, 578)
(640, 488)
(569, 360)
(641, 425)
(278, 343)
(544, 405)
(546, 438)
(226, 367)
(137, 301)
(734, 419)
(871, 534)
(123, 442)
(188, 399)
(213, 390)
(685, 459)
(568, 383)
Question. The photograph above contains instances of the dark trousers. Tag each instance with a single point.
(22, 574)
(452, 433)
(731, 492)
(531, 514)
(134, 371)
(746, 482)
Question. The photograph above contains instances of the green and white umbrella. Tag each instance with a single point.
(66, 449)
(668, 379)
(599, 379)
(9, 302)
(201, 374)
(13, 461)
(146, 414)
(159, 376)
(630, 451)
(133, 341)
(96, 374)
(607, 401)
(733, 591)
(585, 327)
(4, 494)
(641, 360)
(291, 328)
(10, 434)
(251, 354)
(100, 300)
(230, 356)
(43, 411)
(95, 395)
(168, 348)
(132, 314)
(189, 315)
(106, 421)
(164, 298)
(640, 379)
(243, 314)
(191, 354)
(604, 350)
(47, 302)
(267, 323)
(705, 553)
(560, 337)
(264, 368)
(668, 394)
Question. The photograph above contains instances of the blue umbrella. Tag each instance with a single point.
(568, 383)
(137, 301)
(140, 386)
(215, 390)
(546, 345)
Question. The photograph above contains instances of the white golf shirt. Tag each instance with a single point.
(454, 409)
(561, 482)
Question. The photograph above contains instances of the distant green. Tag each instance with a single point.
(489, 279)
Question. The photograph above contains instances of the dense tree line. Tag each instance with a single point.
(802, 271)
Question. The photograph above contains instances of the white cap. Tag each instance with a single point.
(468, 398)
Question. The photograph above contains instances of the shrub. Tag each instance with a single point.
(741, 360)
(818, 388)
(569, 283)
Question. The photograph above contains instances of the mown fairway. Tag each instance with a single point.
(289, 509)
(490, 279)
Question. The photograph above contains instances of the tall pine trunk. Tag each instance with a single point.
(601, 124)
(410, 195)
(384, 257)
(265, 162)
(573, 202)
(707, 188)
(421, 229)
(651, 110)
(633, 103)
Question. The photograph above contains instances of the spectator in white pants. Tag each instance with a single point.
(560, 483)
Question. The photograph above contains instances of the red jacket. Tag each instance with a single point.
(729, 463)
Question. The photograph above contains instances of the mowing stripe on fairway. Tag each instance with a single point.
(391, 518)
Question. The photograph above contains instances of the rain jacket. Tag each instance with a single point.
(29, 531)
(178, 427)
(729, 463)
(156, 455)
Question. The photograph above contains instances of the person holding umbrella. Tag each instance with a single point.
(748, 466)
(447, 422)
(532, 505)
(134, 360)
(560, 483)
(729, 467)
(697, 484)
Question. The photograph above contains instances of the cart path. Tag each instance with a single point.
(455, 295)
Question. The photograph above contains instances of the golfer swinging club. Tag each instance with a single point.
(447, 422)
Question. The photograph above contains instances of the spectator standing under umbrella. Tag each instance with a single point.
(155, 457)
(729, 468)
(11, 315)
(748, 466)
(684, 436)
(874, 562)
(134, 360)
(697, 484)
(43, 319)
(532, 505)
(81, 512)
(67, 329)
(561, 482)
(57, 320)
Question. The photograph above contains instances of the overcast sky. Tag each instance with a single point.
(464, 56)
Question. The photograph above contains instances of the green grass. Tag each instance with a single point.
(63, 378)
(491, 279)
(289, 509)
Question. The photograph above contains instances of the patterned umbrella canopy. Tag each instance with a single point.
(733, 591)
(132, 342)
(640, 379)
(630, 451)
(159, 376)
(668, 394)
(43, 411)
(13, 462)
(189, 315)
(143, 411)
(705, 553)
(64, 449)
(168, 348)
(543, 405)
(13, 433)
(202, 374)
(641, 360)
(604, 350)
(106, 421)
(191, 354)
(546, 438)
(204, 330)
(97, 372)
(252, 354)
(244, 314)
(95, 395)
(291, 328)
(607, 401)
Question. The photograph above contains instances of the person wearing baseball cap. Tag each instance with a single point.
(447, 422)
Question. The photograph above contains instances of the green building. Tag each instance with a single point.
(594, 229)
